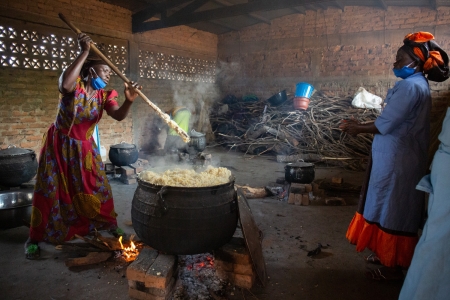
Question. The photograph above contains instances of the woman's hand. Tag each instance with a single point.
(130, 91)
(84, 41)
(354, 127)
(350, 126)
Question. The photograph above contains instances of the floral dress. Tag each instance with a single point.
(72, 194)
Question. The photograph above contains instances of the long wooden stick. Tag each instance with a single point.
(160, 113)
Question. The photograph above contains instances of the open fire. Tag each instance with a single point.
(129, 252)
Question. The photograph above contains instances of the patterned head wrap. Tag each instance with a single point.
(422, 48)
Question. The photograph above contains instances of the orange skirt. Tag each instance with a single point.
(392, 249)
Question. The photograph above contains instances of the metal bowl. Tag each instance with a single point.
(15, 208)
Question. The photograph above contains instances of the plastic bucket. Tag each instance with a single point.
(303, 89)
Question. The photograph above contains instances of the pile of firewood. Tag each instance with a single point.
(256, 128)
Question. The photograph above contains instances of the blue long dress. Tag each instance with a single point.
(399, 155)
(429, 274)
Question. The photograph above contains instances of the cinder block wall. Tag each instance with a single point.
(336, 51)
(29, 98)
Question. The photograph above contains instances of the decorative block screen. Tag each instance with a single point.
(159, 65)
(31, 49)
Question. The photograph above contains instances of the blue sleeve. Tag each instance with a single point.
(399, 106)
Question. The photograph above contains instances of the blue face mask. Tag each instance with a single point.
(97, 83)
(404, 72)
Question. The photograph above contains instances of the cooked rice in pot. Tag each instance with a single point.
(188, 178)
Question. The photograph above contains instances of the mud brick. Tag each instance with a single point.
(308, 188)
(139, 295)
(109, 168)
(291, 199)
(128, 180)
(234, 252)
(142, 162)
(246, 269)
(243, 281)
(337, 180)
(138, 268)
(140, 286)
(305, 199)
(159, 274)
(126, 170)
(297, 188)
(137, 168)
(298, 199)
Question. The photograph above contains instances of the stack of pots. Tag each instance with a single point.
(303, 92)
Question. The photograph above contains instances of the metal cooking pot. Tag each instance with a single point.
(15, 208)
(17, 166)
(198, 140)
(300, 172)
(182, 220)
(278, 98)
(123, 154)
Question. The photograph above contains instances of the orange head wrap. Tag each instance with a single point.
(434, 59)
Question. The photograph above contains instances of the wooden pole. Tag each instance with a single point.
(160, 113)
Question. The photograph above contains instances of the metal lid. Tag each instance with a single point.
(12, 150)
(124, 145)
(299, 165)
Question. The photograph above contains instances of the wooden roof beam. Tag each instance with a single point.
(434, 4)
(339, 5)
(151, 10)
(253, 15)
(299, 9)
(190, 8)
(383, 4)
(220, 13)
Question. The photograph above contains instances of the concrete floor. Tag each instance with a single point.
(289, 232)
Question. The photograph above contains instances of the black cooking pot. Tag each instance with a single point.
(123, 154)
(278, 98)
(300, 172)
(17, 166)
(182, 220)
(197, 140)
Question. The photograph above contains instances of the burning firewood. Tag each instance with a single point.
(252, 193)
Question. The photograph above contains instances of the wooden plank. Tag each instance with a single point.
(90, 259)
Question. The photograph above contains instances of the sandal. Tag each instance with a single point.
(373, 259)
(385, 274)
(32, 251)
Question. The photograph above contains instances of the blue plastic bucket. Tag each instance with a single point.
(303, 89)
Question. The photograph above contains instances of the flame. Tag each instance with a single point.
(129, 253)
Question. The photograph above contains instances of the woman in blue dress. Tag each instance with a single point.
(390, 210)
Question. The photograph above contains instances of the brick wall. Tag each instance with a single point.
(28, 98)
(336, 51)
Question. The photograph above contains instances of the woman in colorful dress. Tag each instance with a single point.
(390, 211)
(72, 194)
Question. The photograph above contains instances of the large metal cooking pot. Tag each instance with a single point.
(17, 166)
(181, 220)
(198, 140)
(15, 208)
(123, 154)
(300, 172)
